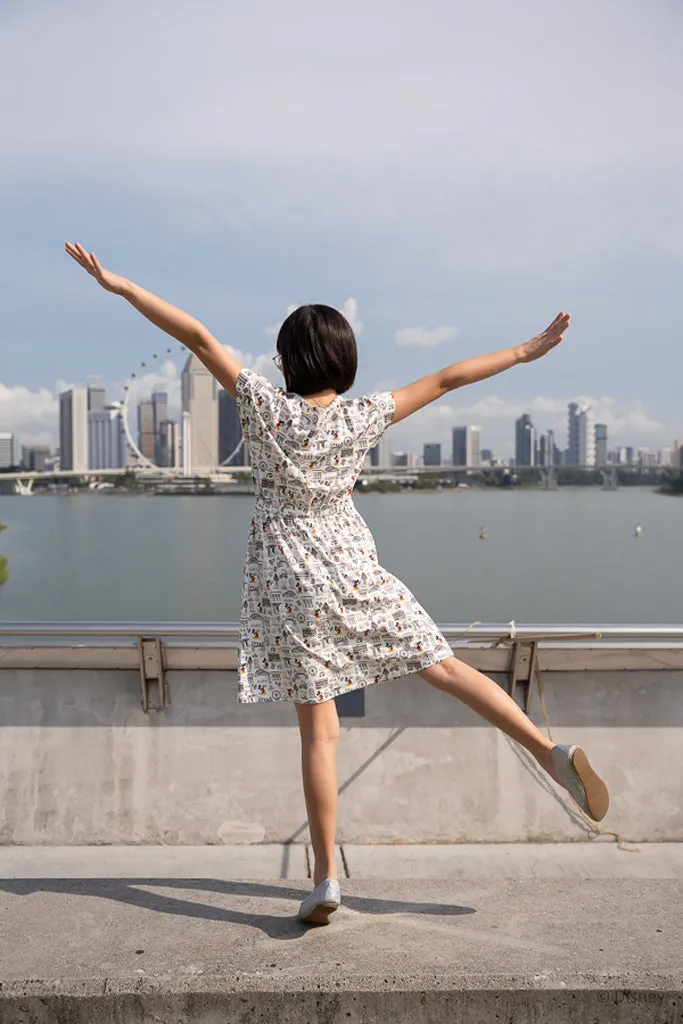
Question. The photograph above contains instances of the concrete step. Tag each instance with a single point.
(156, 945)
(596, 859)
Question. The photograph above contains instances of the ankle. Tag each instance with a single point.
(321, 874)
(543, 756)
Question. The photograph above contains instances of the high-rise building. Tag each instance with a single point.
(572, 454)
(146, 439)
(548, 453)
(678, 454)
(229, 430)
(403, 459)
(380, 455)
(6, 450)
(73, 429)
(466, 446)
(587, 436)
(33, 457)
(600, 444)
(581, 435)
(97, 398)
(200, 402)
(487, 458)
(168, 444)
(525, 441)
(431, 455)
(107, 439)
(159, 416)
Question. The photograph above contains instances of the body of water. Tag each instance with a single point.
(563, 556)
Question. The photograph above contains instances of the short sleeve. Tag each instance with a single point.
(259, 402)
(378, 413)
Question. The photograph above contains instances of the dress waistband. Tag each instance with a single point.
(272, 510)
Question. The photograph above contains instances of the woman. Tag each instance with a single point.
(320, 616)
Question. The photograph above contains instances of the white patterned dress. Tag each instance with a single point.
(320, 616)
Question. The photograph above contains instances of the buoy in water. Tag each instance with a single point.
(482, 533)
(639, 530)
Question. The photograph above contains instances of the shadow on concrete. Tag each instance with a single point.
(123, 890)
(532, 767)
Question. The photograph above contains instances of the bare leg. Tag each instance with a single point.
(491, 702)
(319, 729)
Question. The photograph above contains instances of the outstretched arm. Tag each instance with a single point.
(185, 328)
(427, 389)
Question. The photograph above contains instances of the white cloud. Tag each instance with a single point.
(33, 415)
(349, 310)
(273, 331)
(628, 423)
(423, 337)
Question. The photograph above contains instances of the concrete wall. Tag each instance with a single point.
(80, 762)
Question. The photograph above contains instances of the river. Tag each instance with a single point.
(560, 556)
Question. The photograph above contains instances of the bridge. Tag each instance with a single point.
(22, 481)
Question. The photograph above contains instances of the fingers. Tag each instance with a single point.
(76, 250)
(559, 324)
(73, 251)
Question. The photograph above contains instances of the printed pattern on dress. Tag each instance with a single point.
(319, 615)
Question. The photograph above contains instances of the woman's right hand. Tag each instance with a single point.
(544, 342)
(110, 282)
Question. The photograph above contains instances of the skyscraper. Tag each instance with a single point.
(33, 457)
(159, 416)
(581, 435)
(548, 454)
(6, 450)
(380, 455)
(432, 455)
(200, 402)
(587, 436)
(146, 438)
(600, 444)
(73, 429)
(97, 398)
(467, 446)
(525, 441)
(168, 444)
(229, 429)
(106, 439)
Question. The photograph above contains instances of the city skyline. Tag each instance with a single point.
(207, 431)
(628, 423)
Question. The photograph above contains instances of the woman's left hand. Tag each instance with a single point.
(110, 282)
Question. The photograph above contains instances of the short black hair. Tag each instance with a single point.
(318, 350)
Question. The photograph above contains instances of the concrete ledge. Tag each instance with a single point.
(205, 949)
(598, 858)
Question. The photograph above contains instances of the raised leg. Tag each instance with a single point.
(319, 729)
(491, 702)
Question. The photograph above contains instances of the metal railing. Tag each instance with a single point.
(153, 648)
(229, 631)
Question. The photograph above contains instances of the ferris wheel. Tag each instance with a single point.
(132, 392)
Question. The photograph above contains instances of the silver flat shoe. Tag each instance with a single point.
(322, 902)
(583, 784)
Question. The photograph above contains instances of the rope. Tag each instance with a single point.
(621, 841)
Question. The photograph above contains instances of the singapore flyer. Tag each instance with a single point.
(160, 430)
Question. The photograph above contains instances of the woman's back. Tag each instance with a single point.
(306, 459)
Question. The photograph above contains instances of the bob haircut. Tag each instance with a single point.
(318, 350)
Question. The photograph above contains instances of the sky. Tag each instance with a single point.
(450, 174)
